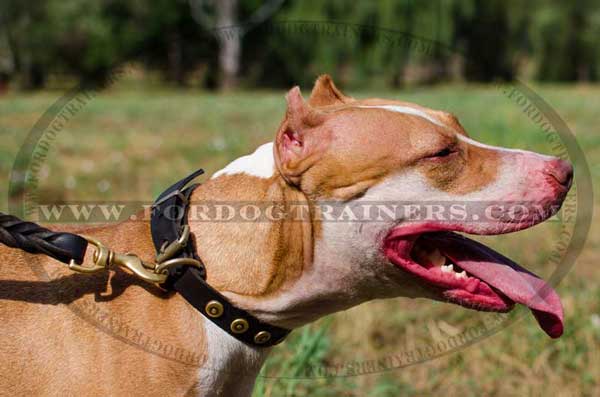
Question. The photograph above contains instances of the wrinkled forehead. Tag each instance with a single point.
(438, 118)
(393, 114)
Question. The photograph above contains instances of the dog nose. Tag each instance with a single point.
(562, 171)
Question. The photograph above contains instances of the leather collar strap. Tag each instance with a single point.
(169, 217)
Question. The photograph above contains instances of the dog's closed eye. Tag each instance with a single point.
(445, 152)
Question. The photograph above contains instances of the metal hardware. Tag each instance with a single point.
(262, 337)
(104, 258)
(174, 247)
(214, 309)
(163, 267)
(146, 272)
(239, 326)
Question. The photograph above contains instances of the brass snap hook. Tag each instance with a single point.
(174, 247)
(103, 258)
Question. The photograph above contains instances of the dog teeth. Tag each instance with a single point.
(447, 268)
(436, 258)
(450, 270)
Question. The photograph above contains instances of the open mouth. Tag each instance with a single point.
(472, 275)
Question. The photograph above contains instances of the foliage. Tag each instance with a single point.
(490, 40)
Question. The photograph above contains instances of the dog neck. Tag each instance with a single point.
(247, 261)
(249, 258)
(280, 270)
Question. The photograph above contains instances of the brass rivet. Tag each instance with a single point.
(239, 326)
(262, 337)
(214, 309)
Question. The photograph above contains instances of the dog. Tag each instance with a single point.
(94, 335)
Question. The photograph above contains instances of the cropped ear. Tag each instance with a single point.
(325, 93)
(299, 141)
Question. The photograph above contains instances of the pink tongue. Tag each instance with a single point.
(512, 280)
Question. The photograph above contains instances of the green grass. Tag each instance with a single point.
(137, 142)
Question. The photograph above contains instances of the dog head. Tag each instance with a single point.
(391, 184)
(368, 152)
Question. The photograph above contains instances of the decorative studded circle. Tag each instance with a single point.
(239, 326)
(262, 337)
(214, 309)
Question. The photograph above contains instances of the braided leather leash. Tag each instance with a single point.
(35, 239)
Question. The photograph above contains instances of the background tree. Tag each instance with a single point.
(191, 42)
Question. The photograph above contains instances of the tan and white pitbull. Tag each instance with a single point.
(73, 334)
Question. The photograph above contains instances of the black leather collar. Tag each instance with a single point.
(169, 217)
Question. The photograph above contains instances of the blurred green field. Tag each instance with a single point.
(130, 143)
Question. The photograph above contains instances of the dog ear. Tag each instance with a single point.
(299, 141)
(325, 93)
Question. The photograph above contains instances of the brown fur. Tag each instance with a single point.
(52, 321)
(339, 160)
(289, 242)
(64, 331)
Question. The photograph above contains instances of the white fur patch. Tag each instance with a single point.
(497, 148)
(405, 110)
(260, 163)
(231, 367)
(419, 113)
